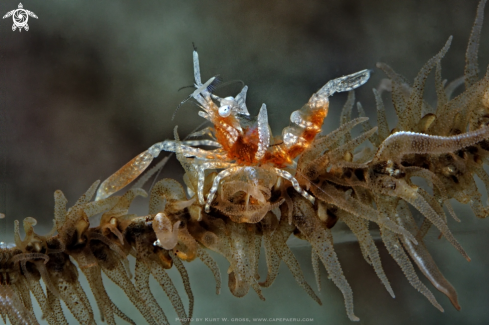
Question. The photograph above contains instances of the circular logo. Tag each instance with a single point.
(20, 17)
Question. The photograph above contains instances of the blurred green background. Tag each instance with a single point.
(93, 83)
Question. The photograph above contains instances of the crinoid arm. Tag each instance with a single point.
(471, 62)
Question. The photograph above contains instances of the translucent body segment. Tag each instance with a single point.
(195, 56)
(263, 133)
(309, 119)
(301, 119)
(203, 142)
(292, 136)
(241, 101)
(209, 131)
(125, 175)
(342, 84)
(154, 170)
(187, 151)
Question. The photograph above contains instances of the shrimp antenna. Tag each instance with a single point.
(219, 84)
(209, 86)
(185, 87)
(227, 83)
(215, 84)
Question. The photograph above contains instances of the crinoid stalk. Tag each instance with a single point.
(255, 190)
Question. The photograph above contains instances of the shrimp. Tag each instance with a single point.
(240, 140)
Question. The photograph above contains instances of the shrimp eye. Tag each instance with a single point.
(225, 110)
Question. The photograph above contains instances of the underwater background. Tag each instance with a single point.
(92, 84)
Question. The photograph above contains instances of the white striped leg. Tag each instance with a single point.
(288, 176)
(201, 176)
(173, 146)
(192, 143)
(215, 184)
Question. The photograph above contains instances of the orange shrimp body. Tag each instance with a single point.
(282, 155)
(241, 141)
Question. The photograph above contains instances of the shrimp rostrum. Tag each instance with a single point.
(240, 140)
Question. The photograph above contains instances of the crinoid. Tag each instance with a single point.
(97, 250)
(256, 190)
